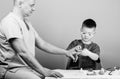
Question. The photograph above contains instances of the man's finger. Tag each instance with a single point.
(78, 53)
(57, 75)
(72, 57)
(76, 58)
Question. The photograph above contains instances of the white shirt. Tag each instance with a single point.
(13, 26)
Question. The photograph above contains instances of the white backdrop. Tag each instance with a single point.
(58, 22)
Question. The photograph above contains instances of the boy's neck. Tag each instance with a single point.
(87, 42)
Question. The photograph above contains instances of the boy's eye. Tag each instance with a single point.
(32, 5)
(90, 34)
(87, 33)
(83, 33)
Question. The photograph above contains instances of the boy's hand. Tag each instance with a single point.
(85, 52)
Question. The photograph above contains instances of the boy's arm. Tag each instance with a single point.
(90, 54)
(93, 53)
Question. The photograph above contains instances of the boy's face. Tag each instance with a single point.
(87, 33)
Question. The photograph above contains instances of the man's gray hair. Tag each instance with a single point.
(19, 1)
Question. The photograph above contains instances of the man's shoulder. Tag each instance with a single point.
(8, 18)
(8, 22)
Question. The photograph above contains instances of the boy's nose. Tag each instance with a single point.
(33, 9)
(86, 35)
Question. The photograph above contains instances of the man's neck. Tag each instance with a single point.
(17, 12)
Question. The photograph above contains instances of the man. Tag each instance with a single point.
(17, 47)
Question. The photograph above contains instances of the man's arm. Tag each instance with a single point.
(43, 45)
(20, 48)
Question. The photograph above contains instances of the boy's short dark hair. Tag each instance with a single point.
(90, 23)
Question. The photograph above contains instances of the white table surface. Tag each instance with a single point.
(81, 74)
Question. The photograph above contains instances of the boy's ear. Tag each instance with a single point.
(81, 29)
(94, 32)
(20, 3)
(80, 32)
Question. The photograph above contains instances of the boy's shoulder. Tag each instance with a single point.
(77, 40)
(95, 45)
(74, 43)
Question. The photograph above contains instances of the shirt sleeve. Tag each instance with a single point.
(34, 31)
(11, 29)
(96, 49)
(72, 44)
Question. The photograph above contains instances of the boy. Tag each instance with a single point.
(88, 51)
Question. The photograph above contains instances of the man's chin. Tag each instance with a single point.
(27, 15)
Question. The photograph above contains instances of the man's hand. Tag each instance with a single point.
(55, 74)
(74, 52)
(71, 54)
(78, 48)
